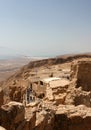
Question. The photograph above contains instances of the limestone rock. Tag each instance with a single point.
(59, 109)
(29, 122)
(56, 91)
(45, 121)
(11, 115)
(16, 93)
(69, 117)
(77, 96)
(81, 73)
(30, 117)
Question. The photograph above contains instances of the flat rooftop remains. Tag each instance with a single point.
(47, 80)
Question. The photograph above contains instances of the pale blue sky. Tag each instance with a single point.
(45, 27)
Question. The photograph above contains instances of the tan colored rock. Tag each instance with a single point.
(81, 73)
(69, 117)
(45, 121)
(11, 115)
(49, 94)
(60, 98)
(61, 109)
(16, 93)
(83, 97)
(30, 117)
(56, 91)
(77, 96)
(1, 128)
(29, 122)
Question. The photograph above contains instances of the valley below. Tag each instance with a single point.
(9, 66)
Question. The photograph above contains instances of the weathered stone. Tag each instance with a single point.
(45, 121)
(30, 117)
(81, 73)
(59, 107)
(56, 91)
(11, 115)
(69, 117)
(60, 98)
(1, 97)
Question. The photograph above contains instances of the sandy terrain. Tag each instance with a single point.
(9, 67)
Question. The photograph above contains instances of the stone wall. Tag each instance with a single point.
(81, 73)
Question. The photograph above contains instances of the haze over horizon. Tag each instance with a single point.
(45, 28)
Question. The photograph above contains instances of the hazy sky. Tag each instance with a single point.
(45, 27)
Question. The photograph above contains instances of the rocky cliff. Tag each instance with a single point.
(65, 105)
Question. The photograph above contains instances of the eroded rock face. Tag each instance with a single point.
(77, 96)
(11, 115)
(69, 117)
(81, 73)
(66, 105)
(1, 97)
(16, 93)
(45, 120)
(14, 116)
(30, 117)
(83, 97)
(79, 89)
(56, 91)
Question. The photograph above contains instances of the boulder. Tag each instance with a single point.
(11, 115)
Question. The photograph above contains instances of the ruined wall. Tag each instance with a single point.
(39, 89)
(81, 73)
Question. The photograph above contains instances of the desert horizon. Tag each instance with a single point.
(45, 64)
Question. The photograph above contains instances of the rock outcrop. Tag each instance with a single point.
(11, 115)
(69, 117)
(56, 91)
(45, 120)
(1, 97)
(30, 117)
(66, 104)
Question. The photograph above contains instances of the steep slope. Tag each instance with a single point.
(17, 83)
(66, 104)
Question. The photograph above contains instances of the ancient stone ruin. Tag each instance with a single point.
(81, 73)
(65, 105)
